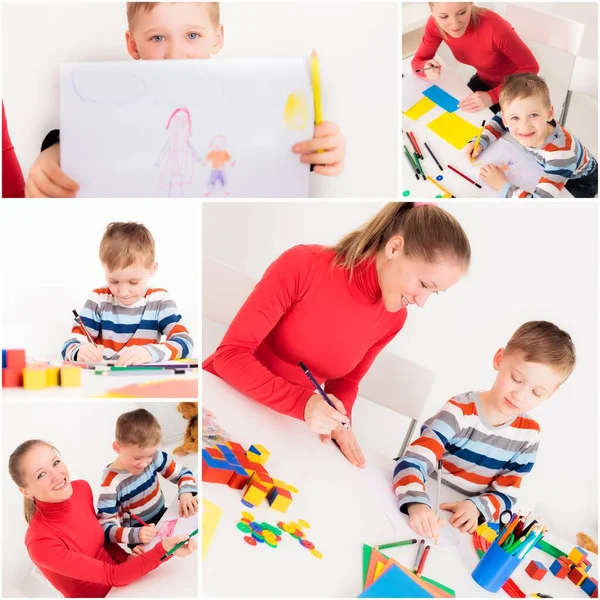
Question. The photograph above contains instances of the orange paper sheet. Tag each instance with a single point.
(166, 388)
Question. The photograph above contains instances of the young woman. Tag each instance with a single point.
(477, 37)
(335, 309)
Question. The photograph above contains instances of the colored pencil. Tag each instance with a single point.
(320, 389)
(414, 137)
(412, 162)
(419, 164)
(439, 489)
(425, 69)
(396, 544)
(418, 559)
(464, 176)
(433, 156)
(175, 548)
(478, 138)
(139, 520)
(441, 188)
(79, 320)
(412, 142)
(423, 559)
(316, 85)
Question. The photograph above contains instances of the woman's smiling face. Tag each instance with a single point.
(452, 17)
(46, 476)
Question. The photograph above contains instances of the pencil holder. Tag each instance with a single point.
(494, 568)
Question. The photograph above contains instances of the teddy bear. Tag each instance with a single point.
(189, 411)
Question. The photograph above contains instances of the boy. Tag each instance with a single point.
(529, 116)
(486, 440)
(127, 319)
(176, 30)
(130, 483)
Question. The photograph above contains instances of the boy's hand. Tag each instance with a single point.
(424, 521)
(134, 355)
(494, 176)
(348, 444)
(469, 151)
(47, 180)
(188, 505)
(147, 533)
(320, 417)
(466, 515)
(90, 353)
(185, 550)
(327, 137)
(475, 102)
(432, 74)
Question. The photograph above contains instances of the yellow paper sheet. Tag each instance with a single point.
(423, 106)
(378, 570)
(211, 514)
(453, 129)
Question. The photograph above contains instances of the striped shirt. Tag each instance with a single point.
(562, 157)
(115, 326)
(480, 460)
(123, 492)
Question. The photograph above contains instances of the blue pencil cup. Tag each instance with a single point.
(494, 568)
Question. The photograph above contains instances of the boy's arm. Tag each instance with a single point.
(175, 473)
(422, 455)
(90, 315)
(428, 47)
(109, 515)
(179, 343)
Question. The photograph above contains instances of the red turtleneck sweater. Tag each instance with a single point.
(13, 184)
(66, 542)
(303, 309)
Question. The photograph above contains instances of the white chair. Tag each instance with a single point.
(392, 382)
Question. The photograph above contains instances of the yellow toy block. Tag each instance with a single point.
(70, 376)
(263, 480)
(34, 378)
(577, 555)
(280, 500)
(280, 484)
(262, 451)
(52, 376)
(255, 493)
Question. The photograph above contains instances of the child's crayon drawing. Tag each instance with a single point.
(178, 155)
(164, 530)
(296, 112)
(217, 157)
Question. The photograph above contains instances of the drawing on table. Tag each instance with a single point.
(171, 527)
(296, 113)
(217, 157)
(166, 528)
(178, 155)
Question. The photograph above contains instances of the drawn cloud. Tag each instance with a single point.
(105, 87)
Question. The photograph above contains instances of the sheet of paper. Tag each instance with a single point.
(184, 387)
(168, 527)
(453, 129)
(211, 514)
(413, 86)
(442, 98)
(423, 106)
(186, 128)
(395, 583)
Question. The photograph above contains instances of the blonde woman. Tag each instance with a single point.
(335, 309)
(477, 37)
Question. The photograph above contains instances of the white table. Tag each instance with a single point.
(176, 578)
(345, 506)
(412, 88)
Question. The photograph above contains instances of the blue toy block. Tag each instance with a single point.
(231, 459)
(4, 359)
(215, 463)
(589, 586)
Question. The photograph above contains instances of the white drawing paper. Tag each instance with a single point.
(186, 128)
(171, 526)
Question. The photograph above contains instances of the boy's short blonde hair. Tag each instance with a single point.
(545, 343)
(524, 85)
(135, 8)
(138, 428)
(123, 244)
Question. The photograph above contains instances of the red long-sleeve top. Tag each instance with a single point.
(66, 542)
(493, 48)
(13, 184)
(304, 309)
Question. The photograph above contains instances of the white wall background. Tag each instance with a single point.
(357, 44)
(86, 450)
(531, 261)
(49, 258)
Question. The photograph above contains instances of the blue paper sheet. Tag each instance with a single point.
(395, 583)
(441, 98)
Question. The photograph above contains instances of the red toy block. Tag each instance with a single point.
(536, 570)
(577, 576)
(15, 359)
(215, 453)
(238, 481)
(12, 378)
(559, 568)
(213, 475)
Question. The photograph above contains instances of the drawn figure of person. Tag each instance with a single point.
(218, 157)
(178, 154)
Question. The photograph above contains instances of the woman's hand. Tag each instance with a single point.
(432, 74)
(185, 550)
(475, 102)
(47, 180)
(327, 137)
(348, 444)
(147, 533)
(424, 521)
(320, 417)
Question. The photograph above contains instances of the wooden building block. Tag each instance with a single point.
(15, 359)
(12, 378)
(577, 555)
(34, 378)
(258, 453)
(70, 376)
(559, 568)
(280, 499)
(214, 470)
(238, 480)
(577, 575)
(255, 493)
(589, 586)
(3, 358)
(52, 376)
(536, 570)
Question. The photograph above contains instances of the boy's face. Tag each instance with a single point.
(527, 120)
(174, 30)
(520, 385)
(129, 284)
(135, 458)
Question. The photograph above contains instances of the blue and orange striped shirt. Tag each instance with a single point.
(562, 157)
(483, 461)
(123, 493)
(144, 323)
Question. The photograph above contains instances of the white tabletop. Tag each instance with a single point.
(412, 89)
(345, 506)
(176, 578)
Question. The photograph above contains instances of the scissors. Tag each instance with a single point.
(505, 518)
